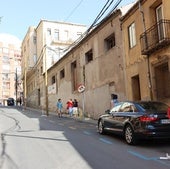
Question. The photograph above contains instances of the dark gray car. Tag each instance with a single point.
(10, 102)
(137, 120)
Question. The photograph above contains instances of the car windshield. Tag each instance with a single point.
(116, 108)
(10, 99)
(154, 106)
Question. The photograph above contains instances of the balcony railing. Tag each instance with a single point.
(156, 37)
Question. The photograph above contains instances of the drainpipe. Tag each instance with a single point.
(147, 56)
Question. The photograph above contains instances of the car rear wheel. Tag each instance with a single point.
(129, 135)
(101, 127)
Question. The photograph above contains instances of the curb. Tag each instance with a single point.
(80, 119)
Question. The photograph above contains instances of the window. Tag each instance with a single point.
(48, 32)
(62, 74)
(110, 42)
(56, 34)
(34, 39)
(6, 76)
(159, 17)
(132, 35)
(89, 56)
(159, 13)
(6, 59)
(53, 79)
(74, 75)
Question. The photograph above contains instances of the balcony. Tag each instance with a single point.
(156, 37)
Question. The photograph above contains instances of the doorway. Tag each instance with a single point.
(162, 81)
(39, 102)
(136, 94)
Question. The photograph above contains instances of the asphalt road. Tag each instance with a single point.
(32, 141)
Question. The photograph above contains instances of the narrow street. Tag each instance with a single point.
(32, 141)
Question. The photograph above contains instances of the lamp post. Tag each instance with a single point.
(46, 74)
(46, 81)
(25, 87)
(45, 66)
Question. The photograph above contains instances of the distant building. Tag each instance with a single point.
(42, 47)
(10, 68)
(127, 55)
(95, 60)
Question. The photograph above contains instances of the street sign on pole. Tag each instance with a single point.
(81, 89)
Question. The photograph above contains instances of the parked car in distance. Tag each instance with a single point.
(10, 102)
(137, 120)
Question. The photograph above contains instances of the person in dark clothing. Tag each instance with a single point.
(75, 107)
(114, 100)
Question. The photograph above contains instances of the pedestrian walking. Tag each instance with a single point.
(114, 100)
(59, 107)
(70, 107)
(20, 101)
(75, 107)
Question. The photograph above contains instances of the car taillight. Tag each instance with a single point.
(148, 118)
(168, 112)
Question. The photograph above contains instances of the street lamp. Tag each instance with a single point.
(45, 69)
(46, 74)
(16, 86)
(43, 55)
(46, 81)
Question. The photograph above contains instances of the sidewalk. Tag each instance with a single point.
(80, 118)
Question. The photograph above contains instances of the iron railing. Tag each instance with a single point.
(156, 37)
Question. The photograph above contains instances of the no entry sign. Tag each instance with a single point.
(81, 88)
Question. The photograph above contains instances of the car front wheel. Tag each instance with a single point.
(129, 135)
(101, 127)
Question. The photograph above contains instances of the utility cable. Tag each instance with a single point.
(101, 13)
(115, 6)
(113, 9)
(107, 5)
(73, 10)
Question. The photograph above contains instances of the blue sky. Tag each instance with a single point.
(18, 15)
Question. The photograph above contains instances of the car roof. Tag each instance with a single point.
(142, 101)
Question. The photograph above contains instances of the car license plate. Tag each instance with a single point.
(165, 121)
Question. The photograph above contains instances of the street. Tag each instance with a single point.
(32, 141)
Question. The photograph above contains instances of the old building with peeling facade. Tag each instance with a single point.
(126, 54)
